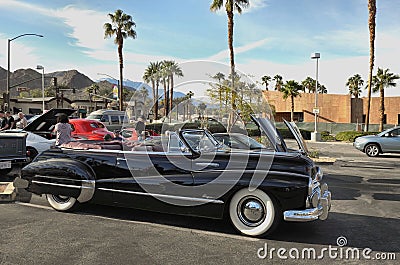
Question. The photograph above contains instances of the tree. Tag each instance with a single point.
(322, 89)
(152, 74)
(371, 26)
(354, 84)
(230, 7)
(172, 69)
(122, 27)
(278, 82)
(220, 77)
(265, 81)
(291, 89)
(380, 81)
(309, 84)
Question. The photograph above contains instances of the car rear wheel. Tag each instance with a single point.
(372, 150)
(62, 203)
(253, 213)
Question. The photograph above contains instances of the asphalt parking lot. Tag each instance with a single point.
(365, 214)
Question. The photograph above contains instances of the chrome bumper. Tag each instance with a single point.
(321, 198)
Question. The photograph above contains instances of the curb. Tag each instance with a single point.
(324, 160)
(9, 194)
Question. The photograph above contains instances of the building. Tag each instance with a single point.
(333, 108)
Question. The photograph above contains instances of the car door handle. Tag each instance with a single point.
(205, 164)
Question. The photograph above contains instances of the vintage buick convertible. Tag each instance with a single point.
(190, 173)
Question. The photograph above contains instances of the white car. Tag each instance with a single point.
(35, 144)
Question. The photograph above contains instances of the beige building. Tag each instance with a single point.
(333, 108)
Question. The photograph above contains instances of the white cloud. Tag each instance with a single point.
(86, 26)
(225, 53)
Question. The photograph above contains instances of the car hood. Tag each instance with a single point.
(274, 137)
(45, 122)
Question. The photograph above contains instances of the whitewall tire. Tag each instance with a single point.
(62, 203)
(253, 213)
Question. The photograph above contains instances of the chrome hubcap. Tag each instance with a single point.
(372, 150)
(251, 211)
(60, 198)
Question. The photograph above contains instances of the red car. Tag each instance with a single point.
(130, 134)
(88, 129)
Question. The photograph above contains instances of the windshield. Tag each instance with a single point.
(239, 141)
(94, 117)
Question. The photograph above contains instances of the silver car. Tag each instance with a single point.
(385, 142)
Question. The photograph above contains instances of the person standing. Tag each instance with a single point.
(21, 122)
(9, 120)
(140, 127)
(3, 121)
(63, 130)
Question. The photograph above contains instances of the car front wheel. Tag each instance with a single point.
(372, 150)
(253, 213)
(62, 203)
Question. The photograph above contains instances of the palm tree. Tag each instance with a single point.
(309, 84)
(165, 82)
(220, 77)
(230, 7)
(371, 25)
(278, 82)
(382, 80)
(122, 27)
(291, 89)
(265, 81)
(152, 74)
(172, 68)
(354, 84)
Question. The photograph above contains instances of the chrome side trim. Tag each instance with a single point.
(166, 196)
(259, 171)
(87, 190)
(55, 184)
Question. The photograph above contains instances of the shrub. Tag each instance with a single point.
(350, 136)
(325, 136)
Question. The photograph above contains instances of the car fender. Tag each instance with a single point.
(71, 177)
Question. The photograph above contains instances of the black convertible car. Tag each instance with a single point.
(187, 172)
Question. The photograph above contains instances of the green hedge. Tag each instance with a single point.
(350, 136)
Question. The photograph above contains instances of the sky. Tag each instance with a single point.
(271, 37)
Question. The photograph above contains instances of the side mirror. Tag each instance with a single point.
(387, 135)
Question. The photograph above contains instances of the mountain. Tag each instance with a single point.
(138, 85)
(31, 79)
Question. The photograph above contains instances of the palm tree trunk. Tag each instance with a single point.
(156, 103)
(382, 108)
(171, 97)
(292, 109)
(121, 86)
(165, 98)
(371, 25)
(232, 61)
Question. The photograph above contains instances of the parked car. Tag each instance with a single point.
(35, 144)
(130, 134)
(188, 173)
(81, 128)
(88, 129)
(238, 141)
(112, 119)
(12, 151)
(385, 142)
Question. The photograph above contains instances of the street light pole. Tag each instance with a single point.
(8, 62)
(315, 136)
(39, 67)
(119, 87)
